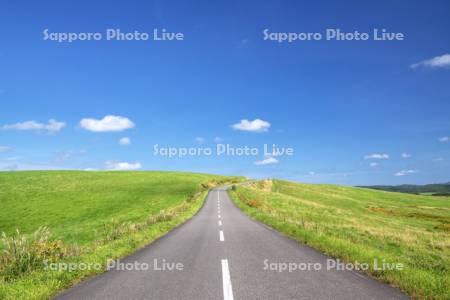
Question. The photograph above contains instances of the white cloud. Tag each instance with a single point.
(12, 167)
(199, 140)
(406, 155)
(107, 124)
(218, 139)
(125, 141)
(437, 159)
(311, 173)
(5, 148)
(405, 172)
(256, 125)
(376, 156)
(373, 164)
(444, 139)
(51, 127)
(435, 62)
(122, 166)
(13, 158)
(267, 161)
(90, 169)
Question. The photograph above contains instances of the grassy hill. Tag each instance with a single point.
(362, 225)
(89, 217)
(74, 205)
(438, 189)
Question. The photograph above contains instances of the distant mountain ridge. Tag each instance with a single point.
(435, 189)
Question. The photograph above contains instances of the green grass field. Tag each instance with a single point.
(361, 225)
(92, 217)
(74, 205)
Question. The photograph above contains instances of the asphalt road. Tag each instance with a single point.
(222, 254)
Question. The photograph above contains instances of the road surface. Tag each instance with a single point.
(222, 254)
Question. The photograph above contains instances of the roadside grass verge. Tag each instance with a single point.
(75, 205)
(362, 226)
(24, 255)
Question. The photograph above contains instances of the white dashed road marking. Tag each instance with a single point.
(226, 280)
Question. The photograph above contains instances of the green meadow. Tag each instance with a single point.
(360, 225)
(75, 205)
(86, 217)
(90, 217)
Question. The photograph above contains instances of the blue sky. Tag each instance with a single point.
(349, 109)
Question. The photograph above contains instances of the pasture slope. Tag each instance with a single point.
(89, 217)
(360, 225)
